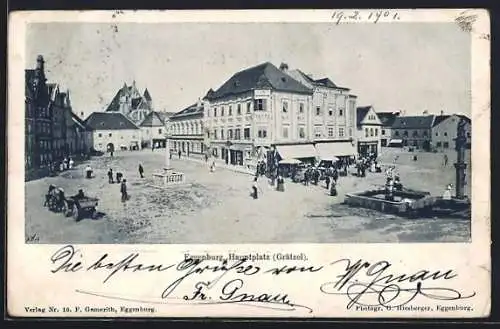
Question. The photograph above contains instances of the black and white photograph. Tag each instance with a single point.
(247, 133)
(210, 163)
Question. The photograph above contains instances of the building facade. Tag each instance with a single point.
(444, 131)
(254, 111)
(414, 131)
(153, 129)
(131, 103)
(113, 131)
(386, 120)
(186, 129)
(368, 130)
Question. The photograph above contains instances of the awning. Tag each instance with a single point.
(296, 151)
(290, 161)
(396, 141)
(327, 151)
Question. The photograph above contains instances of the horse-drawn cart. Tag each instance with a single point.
(79, 206)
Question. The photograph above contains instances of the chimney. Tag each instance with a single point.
(442, 112)
(198, 105)
(425, 112)
(284, 67)
(39, 63)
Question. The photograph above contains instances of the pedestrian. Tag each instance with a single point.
(179, 154)
(333, 189)
(206, 157)
(447, 192)
(119, 177)
(327, 181)
(141, 170)
(445, 160)
(414, 158)
(65, 163)
(280, 186)
(71, 163)
(335, 175)
(398, 186)
(255, 189)
(88, 171)
(123, 190)
(170, 155)
(110, 176)
(111, 153)
(212, 167)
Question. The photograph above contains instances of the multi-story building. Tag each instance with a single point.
(38, 120)
(131, 103)
(386, 120)
(186, 129)
(368, 129)
(153, 129)
(444, 131)
(113, 131)
(256, 109)
(333, 117)
(414, 131)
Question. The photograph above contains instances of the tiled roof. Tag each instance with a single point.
(109, 121)
(154, 119)
(190, 111)
(80, 122)
(441, 118)
(263, 76)
(326, 83)
(387, 118)
(361, 113)
(131, 92)
(323, 82)
(413, 122)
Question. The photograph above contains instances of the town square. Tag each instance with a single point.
(264, 153)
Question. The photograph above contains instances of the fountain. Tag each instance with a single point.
(168, 177)
(414, 203)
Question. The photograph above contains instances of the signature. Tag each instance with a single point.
(227, 282)
(390, 290)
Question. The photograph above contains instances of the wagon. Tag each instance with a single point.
(79, 206)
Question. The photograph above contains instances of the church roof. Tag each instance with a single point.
(154, 119)
(109, 121)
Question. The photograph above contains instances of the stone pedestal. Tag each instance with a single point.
(168, 177)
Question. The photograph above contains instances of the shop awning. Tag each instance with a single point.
(296, 151)
(335, 149)
(396, 141)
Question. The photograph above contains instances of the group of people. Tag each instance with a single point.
(369, 163)
(65, 164)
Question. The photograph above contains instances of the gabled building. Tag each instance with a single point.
(413, 131)
(153, 129)
(368, 130)
(333, 117)
(387, 120)
(131, 103)
(256, 109)
(444, 131)
(187, 130)
(113, 131)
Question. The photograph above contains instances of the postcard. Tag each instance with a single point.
(249, 163)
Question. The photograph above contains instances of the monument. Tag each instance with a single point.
(460, 165)
(168, 177)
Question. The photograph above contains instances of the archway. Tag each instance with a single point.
(110, 147)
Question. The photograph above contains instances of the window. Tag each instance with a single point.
(238, 109)
(222, 134)
(396, 133)
(302, 132)
(222, 111)
(376, 132)
(330, 131)
(159, 131)
(317, 132)
(446, 145)
(284, 107)
(262, 133)
(285, 132)
(371, 132)
(229, 134)
(215, 112)
(341, 112)
(437, 134)
(445, 133)
(468, 135)
(246, 133)
(249, 106)
(318, 110)
(230, 110)
(301, 107)
(405, 133)
(438, 144)
(109, 134)
(341, 132)
(415, 133)
(367, 132)
(425, 133)
(215, 133)
(259, 105)
(237, 134)
(208, 134)
(330, 111)
(382, 132)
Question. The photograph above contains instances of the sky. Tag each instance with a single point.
(413, 67)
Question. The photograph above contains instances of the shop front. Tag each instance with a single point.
(365, 148)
